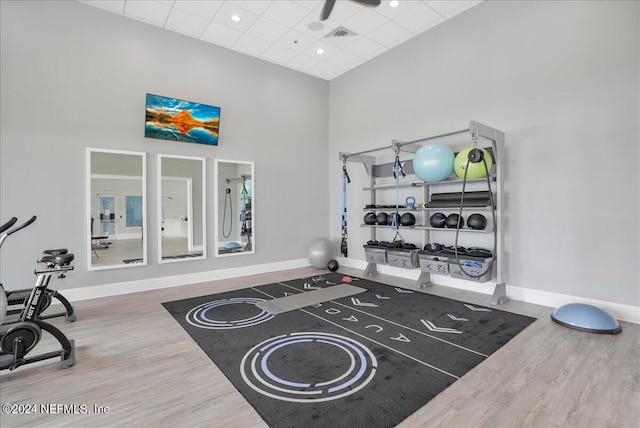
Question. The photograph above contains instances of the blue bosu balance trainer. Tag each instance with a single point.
(581, 316)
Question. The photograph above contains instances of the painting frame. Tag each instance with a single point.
(179, 120)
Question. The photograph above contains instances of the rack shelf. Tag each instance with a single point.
(452, 180)
(419, 227)
(489, 138)
(417, 210)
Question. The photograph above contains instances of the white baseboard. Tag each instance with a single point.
(85, 293)
(544, 298)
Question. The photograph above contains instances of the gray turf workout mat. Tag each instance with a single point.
(309, 298)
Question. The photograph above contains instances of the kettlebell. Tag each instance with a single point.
(410, 202)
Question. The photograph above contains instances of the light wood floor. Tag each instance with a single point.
(133, 358)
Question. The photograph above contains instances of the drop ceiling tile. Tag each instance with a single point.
(450, 8)
(365, 21)
(267, 30)
(255, 6)
(310, 4)
(150, 11)
(116, 6)
(205, 9)
(418, 17)
(364, 48)
(388, 34)
(302, 62)
(285, 13)
(312, 51)
(340, 42)
(186, 23)
(221, 35)
(312, 19)
(278, 54)
(392, 12)
(227, 10)
(399, 41)
(344, 60)
(251, 45)
(325, 70)
(342, 10)
(295, 41)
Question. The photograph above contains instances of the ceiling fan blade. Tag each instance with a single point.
(369, 2)
(326, 9)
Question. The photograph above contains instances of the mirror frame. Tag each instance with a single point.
(204, 209)
(89, 176)
(217, 205)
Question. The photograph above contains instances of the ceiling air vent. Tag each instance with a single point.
(340, 32)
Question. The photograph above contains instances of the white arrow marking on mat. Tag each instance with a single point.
(431, 326)
(357, 302)
(400, 290)
(473, 308)
(401, 338)
(455, 318)
(382, 297)
(351, 318)
(309, 287)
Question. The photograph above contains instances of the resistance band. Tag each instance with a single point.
(345, 180)
(475, 156)
(397, 171)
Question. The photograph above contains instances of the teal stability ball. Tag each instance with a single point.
(433, 162)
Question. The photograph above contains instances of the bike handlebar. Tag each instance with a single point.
(22, 226)
(8, 224)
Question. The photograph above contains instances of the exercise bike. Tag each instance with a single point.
(18, 339)
(17, 299)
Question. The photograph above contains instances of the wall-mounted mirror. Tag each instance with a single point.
(235, 202)
(181, 208)
(116, 209)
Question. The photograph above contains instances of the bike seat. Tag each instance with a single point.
(59, 260)
(56, 252)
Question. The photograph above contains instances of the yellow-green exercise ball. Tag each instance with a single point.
(474, 170)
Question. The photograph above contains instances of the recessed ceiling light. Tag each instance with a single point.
(235, 18)
(320, 51)
(394, 3)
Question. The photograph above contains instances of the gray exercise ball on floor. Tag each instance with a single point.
(319, 252)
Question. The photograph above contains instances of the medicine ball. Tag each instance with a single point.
(370, 218)
(390, 219)
(333, 265)
(407, 219)
(437, 220)
(454, 221)
(477, 221)
(381, 219)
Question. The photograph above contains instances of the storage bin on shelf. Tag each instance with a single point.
(473, 265)
(433, 263)
(403, 258)
(375, 254)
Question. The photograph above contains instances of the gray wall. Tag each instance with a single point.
(73, 76)
(561, 79)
